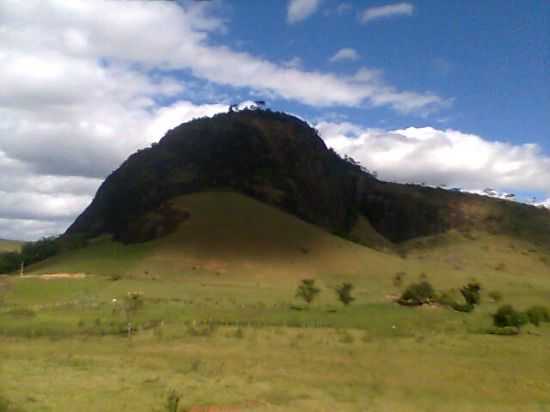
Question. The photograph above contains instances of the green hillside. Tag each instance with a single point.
(231, 236)
(228, 234)
(9, 245)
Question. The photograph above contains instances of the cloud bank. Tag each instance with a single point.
(438, 157)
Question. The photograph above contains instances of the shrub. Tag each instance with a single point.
(471, 293)
(10, 262)
(506, 315)
(172, 401)
(417, 294)
(495, 295)
(538, 315)
(307, 290)
(344, 293)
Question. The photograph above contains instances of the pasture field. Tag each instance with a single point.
(226, 345)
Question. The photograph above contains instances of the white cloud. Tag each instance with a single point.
(345, 54)
(29, 229)
(390, 10)
(544, 203)
(94, 30)
(299, 10)
(437, 157)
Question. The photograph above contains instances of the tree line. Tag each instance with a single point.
(33, 252)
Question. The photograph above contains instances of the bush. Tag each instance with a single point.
(507, 316)
(307, 290)
(9, 262)
(538, 315)
(417, 294)
(344, 293)
(471, 293)
(495, 295)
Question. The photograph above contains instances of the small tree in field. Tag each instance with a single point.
(307, 290)
(344, 293)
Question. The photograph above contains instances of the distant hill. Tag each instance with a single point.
(10, 245)
(280, 160)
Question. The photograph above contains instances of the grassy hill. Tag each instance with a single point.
(227, 233)
(233, 237)
(9, 245)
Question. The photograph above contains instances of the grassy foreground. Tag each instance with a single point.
(242, 346)
(220, 325)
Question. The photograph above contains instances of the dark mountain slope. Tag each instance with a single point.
(273, 157)
(280, 160)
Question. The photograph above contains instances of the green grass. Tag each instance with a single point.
(221, 325)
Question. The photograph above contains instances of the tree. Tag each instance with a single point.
(307, 290)
(344, 293)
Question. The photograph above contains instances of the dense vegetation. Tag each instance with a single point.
(33, 252)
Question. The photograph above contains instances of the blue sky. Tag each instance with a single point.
(442, 92)
(489, 58)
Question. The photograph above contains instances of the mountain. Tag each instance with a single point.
(280, 160)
